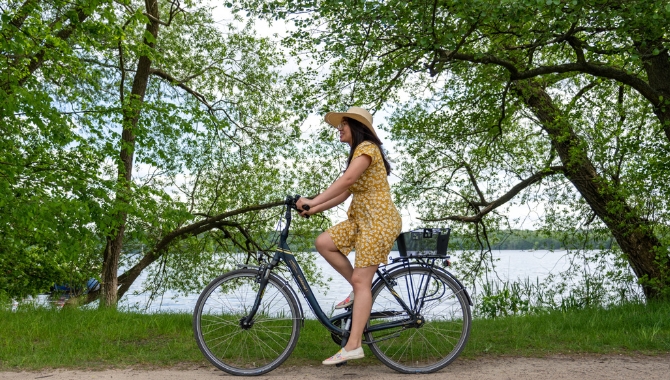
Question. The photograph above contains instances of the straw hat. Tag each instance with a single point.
(356, 113)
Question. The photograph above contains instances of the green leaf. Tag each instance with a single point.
(149, 37)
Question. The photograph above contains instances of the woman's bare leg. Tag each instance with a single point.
(361, 280)
(324, 244)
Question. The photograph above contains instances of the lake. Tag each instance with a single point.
(511, 265)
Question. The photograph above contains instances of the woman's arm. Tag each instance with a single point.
(327, 205)
(340, 186)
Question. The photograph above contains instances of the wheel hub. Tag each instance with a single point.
(244, 324)
(419, 321)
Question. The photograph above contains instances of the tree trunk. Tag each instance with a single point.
(131, 114)
(632, 233)
(657, 68)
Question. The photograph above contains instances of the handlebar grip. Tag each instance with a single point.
(304, 208)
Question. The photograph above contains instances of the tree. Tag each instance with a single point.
(47, 189)
(565, 102)
(135, 133)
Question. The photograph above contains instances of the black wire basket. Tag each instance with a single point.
(424, 242)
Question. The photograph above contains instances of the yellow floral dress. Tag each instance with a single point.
(373, 221)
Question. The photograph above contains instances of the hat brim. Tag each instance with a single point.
(335, 119)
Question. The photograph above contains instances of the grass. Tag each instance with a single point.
(72, 338)
(627, 329)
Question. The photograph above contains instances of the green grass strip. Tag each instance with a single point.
(627, 329)
(72, 338)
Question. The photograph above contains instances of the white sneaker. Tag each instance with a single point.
(344, 355)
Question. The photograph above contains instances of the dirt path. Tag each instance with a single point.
(557, 367)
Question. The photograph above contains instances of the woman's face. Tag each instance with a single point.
(345, 132)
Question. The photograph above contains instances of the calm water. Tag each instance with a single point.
(511, 265)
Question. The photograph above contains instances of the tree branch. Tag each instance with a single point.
(598, 70)
(593, 68)
(128, 277)
(162, 74)
(473, 180)
(503, 199)
(576, 45)
(581, 93)
(37, 60)
(175, 8)
(22, 13)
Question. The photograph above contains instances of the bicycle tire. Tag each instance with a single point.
(431, 345)
(246, 351)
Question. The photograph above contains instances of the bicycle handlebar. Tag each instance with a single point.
(291, 202)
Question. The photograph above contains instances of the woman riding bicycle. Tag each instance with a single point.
(373, 221)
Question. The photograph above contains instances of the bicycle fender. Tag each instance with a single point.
(248, 266)
(467, 295)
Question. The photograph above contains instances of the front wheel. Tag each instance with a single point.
(246, 350)
(438, 334)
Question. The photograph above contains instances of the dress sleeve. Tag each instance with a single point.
(369, 149)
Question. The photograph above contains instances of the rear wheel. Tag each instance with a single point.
(246, 350)
(436, 337)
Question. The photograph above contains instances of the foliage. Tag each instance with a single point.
(47, 192)
(150, 123)
(558, 106)
(214, 131)
(533, 240)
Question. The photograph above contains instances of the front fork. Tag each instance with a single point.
(262, 278)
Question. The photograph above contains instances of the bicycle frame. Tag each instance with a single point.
(283, 253)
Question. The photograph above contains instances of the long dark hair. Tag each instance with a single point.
(360, 133)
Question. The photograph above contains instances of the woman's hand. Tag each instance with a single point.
(302, 201)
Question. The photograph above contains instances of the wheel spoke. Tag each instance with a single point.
(446, 320)
(263, 345)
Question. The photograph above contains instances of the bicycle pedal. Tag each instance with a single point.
(340, 364)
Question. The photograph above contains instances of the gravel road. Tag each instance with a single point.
(592, 367)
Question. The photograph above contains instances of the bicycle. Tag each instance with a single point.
(247, 321)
